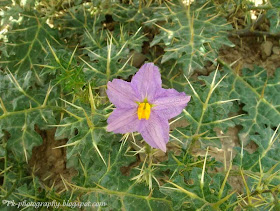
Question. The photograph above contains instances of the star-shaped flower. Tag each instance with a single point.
(143, 105)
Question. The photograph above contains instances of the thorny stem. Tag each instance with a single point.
(249, 33)
(190, 146)
(262, 7)
(150, 155)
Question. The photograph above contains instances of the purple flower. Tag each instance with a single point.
(143, 106)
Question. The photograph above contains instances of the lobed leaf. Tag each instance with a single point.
(23, 108)
(260, 96)
(208, 109)
(188, 193)
(27, 43)
(192, 33)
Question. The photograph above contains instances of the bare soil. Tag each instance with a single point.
(48, 163)
(253, 51)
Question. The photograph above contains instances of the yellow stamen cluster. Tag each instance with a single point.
(144, 111)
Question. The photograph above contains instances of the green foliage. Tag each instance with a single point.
(27, 109)
(112, 186)
(109, 53)
(260, 96)
(107, 63)
(63, 68)
(208, 109)
(56, 60)
(273, 15)
(196, 194)
(84, 128)
(26, 43)
(262, 169)
(192, 33)
(265, 157)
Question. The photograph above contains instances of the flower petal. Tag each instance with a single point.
(121, 94)
(170, 103)
(123, 121)
(147, 81)
(155, 131)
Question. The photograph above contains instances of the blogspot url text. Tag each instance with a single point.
(54, 204)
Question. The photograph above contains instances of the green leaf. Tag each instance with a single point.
(26, 43)
(84, 128)
(191, 33)
(64, 70)
(110, 53)
(260, 96)
(266, 155)
(273, 16)
(261, 168)
(75, 20)
(27, 109)
(108, 63)
(208, 109)
(274, 3)
(117, 189)
(187, 193)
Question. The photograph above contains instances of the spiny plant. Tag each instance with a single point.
(56, 60)
(192, 33)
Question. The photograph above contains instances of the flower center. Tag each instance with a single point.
(144, 111)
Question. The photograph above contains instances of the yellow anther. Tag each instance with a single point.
(144, 111)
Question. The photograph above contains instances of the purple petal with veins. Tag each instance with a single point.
(121, 94)
(123, 121)
(155, 131)
(170, 103)
(147, 81)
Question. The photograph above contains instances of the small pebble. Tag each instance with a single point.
(266, 48)
(276, 50)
